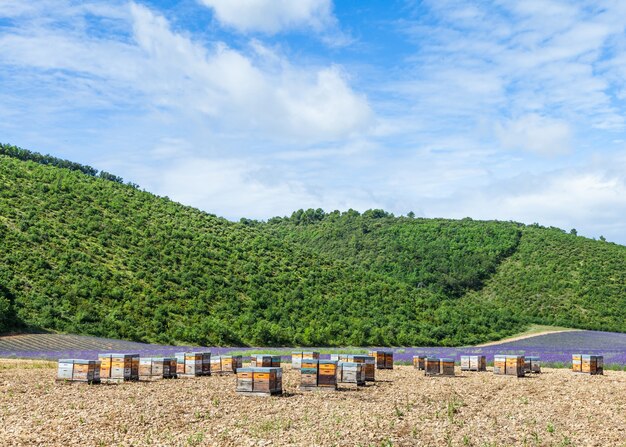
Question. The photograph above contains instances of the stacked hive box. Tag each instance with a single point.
(446, 367)
(260, 381)
(265, 361)
(327, 374)
(532, 364)
(77, 370)
(193, 364)
(510, 365)
(473, 363)
(369, 364)
(297, 356)
(418, 362)
(432, 366)
(308, 373)
(318, 374)
(384, 359)
(119, 367)
(226, 364)
(588, 364)
(351, 373)
(157, 368)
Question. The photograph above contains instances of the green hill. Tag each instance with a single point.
(82, 252)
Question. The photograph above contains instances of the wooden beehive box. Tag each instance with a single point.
(265, 361)
(78, 370)
(499, 364)
(592, 364)
(193, 364)
(351, 373)
(515, 365)
(384, 359)
(473, 363)
(577, 362)
(153, 368)
(327, 374)
(308, 373)
(418, 362)
(297, 356)
(119, 367)
(226, 364)
(446, 366)
(296, 359)
(432, 366)
(532, 364)
(511, 365)
(259, 381)
(369, 364)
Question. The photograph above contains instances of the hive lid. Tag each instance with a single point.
(446, 359)
(327, 362)
(261, 369)
(66, 360)
(118, 354)
(348, 364)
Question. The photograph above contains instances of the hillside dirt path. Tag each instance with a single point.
(525, 336)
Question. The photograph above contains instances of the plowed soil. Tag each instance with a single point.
(403, 408)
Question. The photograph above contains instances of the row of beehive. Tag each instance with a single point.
(130, 367)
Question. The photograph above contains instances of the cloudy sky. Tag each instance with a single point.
(494, 109)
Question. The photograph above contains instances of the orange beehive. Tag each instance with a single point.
(446, 367)
(226, 364)
(384, 359)
(515, 365)
(77, 370)
(432, 366)
(119, 367)
(297, 356)
(259, 381)
(318, 374)
(418, 362)
(193, 364)
(369, 364)
(265, 361)
(588, 364)
(157, 368)
(510, 365)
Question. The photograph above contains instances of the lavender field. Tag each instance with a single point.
(554, 349)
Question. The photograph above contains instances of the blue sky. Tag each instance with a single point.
(254, 108)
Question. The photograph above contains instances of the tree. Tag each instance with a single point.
(573, 231)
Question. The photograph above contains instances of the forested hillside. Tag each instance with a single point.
(87, 254)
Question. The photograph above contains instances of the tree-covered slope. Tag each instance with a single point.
(535, 274)
(560, 279)
(86, 255)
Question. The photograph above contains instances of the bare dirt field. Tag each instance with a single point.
(403, 408)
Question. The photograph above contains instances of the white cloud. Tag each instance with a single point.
(273, 16)
(536, 134)
(255, 93)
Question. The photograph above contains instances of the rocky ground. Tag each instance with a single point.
(403, 408)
